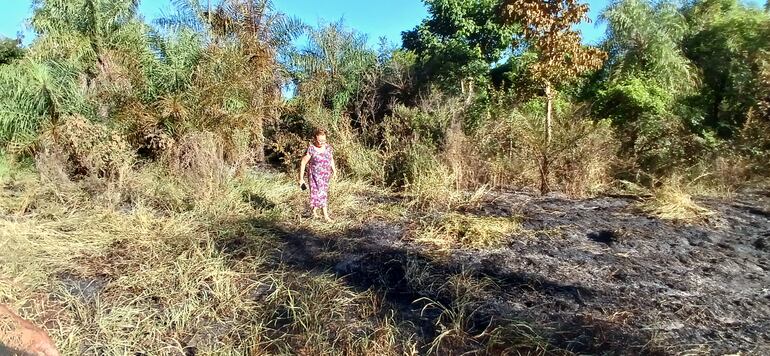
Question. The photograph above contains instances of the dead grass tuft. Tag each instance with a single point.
(198, 158)
(458, 327)
(454, 230)
(673, 201)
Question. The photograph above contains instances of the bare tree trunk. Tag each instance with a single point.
(208, 12)
(545, 159)
(544, 188)
(549, 115)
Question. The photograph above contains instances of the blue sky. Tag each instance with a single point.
(374, 18)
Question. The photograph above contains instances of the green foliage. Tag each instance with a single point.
(729, 43)
(81, 30)
(632, 99)
(331, 68)
(36, 93)
(176, 59)
(413, 139)
(678, 75)
(643, 41)
(10, 50)
(452, 108)
(460, 40)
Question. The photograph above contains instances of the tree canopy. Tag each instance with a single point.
(460, 40)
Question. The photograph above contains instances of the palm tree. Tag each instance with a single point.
(87, 28)
(34, 93)
(331, 67)
(246, 37)
(645, 40)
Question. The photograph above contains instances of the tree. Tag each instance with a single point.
(10, 50)
(33, 94)
(460, 41)
(82, 30)
(249, 34)
(730, 44)
(56, 77)
(560, 55)
(646, 79)
(644, 41)
(331, 68)
(99, 39)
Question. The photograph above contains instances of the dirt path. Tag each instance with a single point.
(596, 276)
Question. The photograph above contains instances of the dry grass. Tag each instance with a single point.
(433, 188)
(432, 185)
(673, 201)
(453, 230)
(199, 159)
(83, 148)
(5, 168)
(150, 262)
(358, 160)
(160, 283)
(140, 266)
(458, 328)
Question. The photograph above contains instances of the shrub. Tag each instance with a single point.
(353, 157)
(80, 148)
(198, 159)
(582, 154)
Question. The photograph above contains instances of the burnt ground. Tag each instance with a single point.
(593, 276)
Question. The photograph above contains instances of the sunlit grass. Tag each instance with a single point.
(454, 230)
(163, 279)
(673, 201)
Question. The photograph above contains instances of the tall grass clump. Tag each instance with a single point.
(414, 142)
(362, 162)
(459, 309)
(673, 200)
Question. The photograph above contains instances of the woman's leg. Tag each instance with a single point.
(323, 195)
(326, 213)
(314, 194)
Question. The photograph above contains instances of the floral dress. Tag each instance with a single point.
(319, 174)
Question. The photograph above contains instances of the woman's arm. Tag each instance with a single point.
(331, 158)
(302, 166)
(334, 169)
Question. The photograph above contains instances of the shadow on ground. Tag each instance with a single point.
(412, 281)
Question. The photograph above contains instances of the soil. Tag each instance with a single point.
(594, 276)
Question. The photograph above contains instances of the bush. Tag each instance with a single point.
(753, 143)
(198, 159)
(359, 161)
(582, 153)
(79, 148)
(429, 182)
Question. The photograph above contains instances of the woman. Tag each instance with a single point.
(320, 157)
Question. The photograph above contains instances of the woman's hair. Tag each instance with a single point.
(319, 132)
